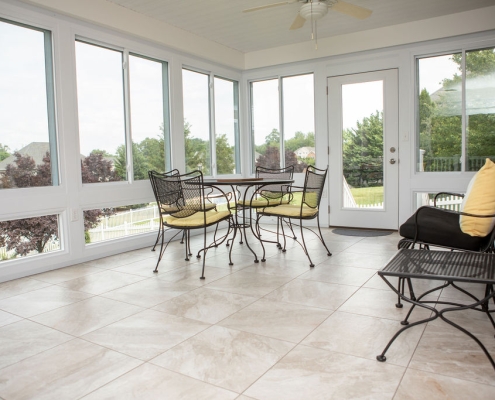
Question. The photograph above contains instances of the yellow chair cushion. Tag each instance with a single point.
(291, 210)
(197, 220)
(480, 200)
(262, 202)
(172, 209)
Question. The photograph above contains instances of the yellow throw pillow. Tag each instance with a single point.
(480, 200)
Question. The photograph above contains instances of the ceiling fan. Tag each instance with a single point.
(316, 9)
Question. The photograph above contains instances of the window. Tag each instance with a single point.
(211, 144)
(28, 145)
(103, 133)
(28, 237)
(456, 111)
(283, 120)
(113, 223)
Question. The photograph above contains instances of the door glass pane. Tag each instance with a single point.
(147, 117)
(196, 121)
(226, 125)
(299, 117)
(28, 154)
(265, 123)
(100, 98)
(362, 145)
(440, 113)
(480, 107)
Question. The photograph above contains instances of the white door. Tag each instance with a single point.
(363, 156)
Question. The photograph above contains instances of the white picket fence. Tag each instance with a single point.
(52, 245)
(349, 201)
(126, 223)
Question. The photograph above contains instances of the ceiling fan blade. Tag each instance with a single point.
(298, 22)
(283, 3)
(352, 10)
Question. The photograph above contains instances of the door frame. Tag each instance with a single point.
(388, 217)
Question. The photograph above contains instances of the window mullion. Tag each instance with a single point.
(213, 133)
(127, 117)
(281, 121)
(464, 121)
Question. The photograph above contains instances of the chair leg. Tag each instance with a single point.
(163, 248)
(160, 229)
(304, 244)
(321, 237)
(204, 256)
(188, 245)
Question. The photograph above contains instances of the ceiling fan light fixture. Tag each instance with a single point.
(313, 10)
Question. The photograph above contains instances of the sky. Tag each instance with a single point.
(100, 98)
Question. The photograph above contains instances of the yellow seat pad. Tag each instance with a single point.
(262, 202)
(172, 209)
(291, 210)
(198, 219)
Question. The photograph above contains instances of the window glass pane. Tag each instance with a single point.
(226, 125)
(362, 145)
(113, 223)
(446, 201)
(196, 121)
(28, 237)
(265, 123)
(440, 113)
(480, 107)
(27, 141)
(100, 97)
(299, 116)
(147, 117)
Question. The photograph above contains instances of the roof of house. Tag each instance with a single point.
(37, 150)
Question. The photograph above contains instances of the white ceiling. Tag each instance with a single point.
(223, 22)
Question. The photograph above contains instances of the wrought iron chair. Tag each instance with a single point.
(183, 206)
(304, 206)
(270, 195)
(432, 226)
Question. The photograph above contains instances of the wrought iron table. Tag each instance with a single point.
(246, 184)
(447, 266)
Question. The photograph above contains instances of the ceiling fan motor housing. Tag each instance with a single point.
(314, 10)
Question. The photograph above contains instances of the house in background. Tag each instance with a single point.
(305, 152)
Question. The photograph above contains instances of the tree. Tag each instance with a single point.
(225, 155)
(271, 159)
(300, 140)
(4, 152)
(94, 168)
(363, 152)
(197, 152)
(33, 234)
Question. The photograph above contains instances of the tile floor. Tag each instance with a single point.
(110, 328)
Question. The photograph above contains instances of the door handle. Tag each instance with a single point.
(392, 161)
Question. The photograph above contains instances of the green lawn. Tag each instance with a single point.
(368, 195)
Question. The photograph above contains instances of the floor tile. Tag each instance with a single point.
(381, 304)
(41, 300)
(205, 305)
(419, 385)
(24, 339)
(67, 273)
(312, 293)
(146, 334)
(119, 260)
(284, 321)
(249, 283)
(339, 274)
(308, 373)
(445, 350)
(225, 357)
(20, 286)
(86, 316)
(278, 267)
(370, 261)
(152, 382)
(8, 318)
(191, 274)
(101, 282)
(148, 293)
(364, 336)
(68, 371)
(147, 266)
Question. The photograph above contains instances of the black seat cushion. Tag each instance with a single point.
(439, 227)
